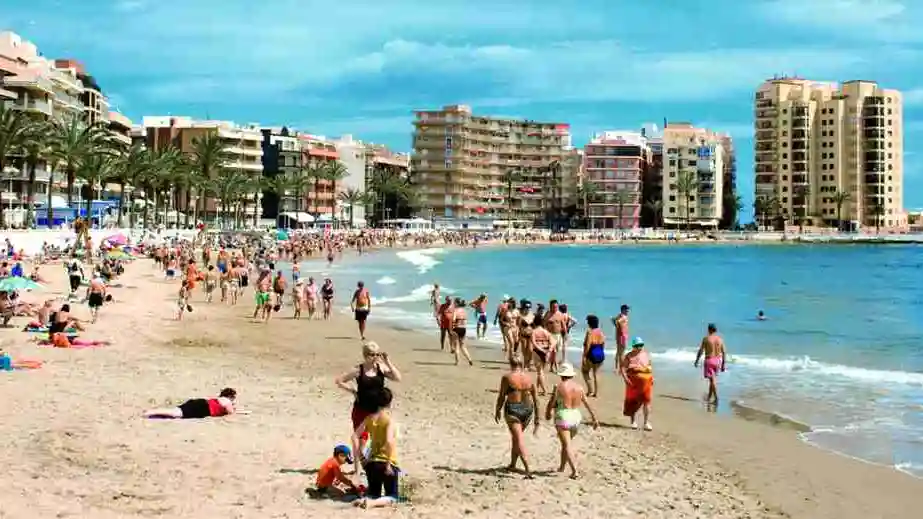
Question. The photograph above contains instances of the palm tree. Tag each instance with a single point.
(410, 196)
(75, 141)
(510, 177)
(383, 184)
(686, 185)
(131, 168)
(208, 158)
(586, 194)
(760, 208)
(621, 198)
(95, 170)
(733, 203)
(354, 197)
(334, 172)
(188, 177)
(655, 206)
(313, 173)
(840, 198)
(878, 211)
(36, 148)
(14, 127)
(159, 176)
(283, 185)
(775, 210)
(226, 185)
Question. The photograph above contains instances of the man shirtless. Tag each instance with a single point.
(480, 307)
(621, 336)
(279, 287)
(96, 295)
(262, 298)
(434, 301)
(556, 325)
(444, 315)
(715, 359)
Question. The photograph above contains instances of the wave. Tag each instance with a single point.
(387, 280)
(807, 364)
(421, 293)
(911, 469)
(422, 258)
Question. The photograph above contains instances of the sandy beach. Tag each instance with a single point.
(76, 446)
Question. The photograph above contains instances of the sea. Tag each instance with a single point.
(841, 349)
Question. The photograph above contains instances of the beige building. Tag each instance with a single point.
(465, 165)
(615, 164)
(820, 146)
(693, 175)
(242, 145)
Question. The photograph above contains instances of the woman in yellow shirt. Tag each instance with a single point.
(380, 462)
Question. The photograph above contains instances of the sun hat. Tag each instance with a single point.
(566, 369)
(637, 342)
(345, 451)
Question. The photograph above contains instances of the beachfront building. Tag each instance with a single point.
(382, 162)
(243, 147)
(693, 176)
(318, 154)
(470, 166)
(615, 163)
(730, 201)
(282, 158)
(829, 154)
(652, 186)
(363, 162)
(120, 127)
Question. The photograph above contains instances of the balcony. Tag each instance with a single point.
(765, 168)
(765, 146)
(873, 100)
(34, 83)
(33, 105)
(869, 111)
(799, 179)
(799, 122)
(7, 94)
(799, 157)
(874, 134)
(799, 135)
(766, 156)
(766, 178)
(875, 178)
(874, 156)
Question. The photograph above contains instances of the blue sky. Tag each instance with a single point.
(362, 66)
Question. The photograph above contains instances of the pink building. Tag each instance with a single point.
(615, 163)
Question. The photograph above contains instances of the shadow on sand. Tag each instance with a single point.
(501, 472)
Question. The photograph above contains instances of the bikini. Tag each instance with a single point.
(596, 353)
(520, 412)
(565, 418)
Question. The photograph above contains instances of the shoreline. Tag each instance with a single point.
(735, 408)
(85, 452)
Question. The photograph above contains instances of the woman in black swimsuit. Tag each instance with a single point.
(370, 379)
(326, 293)
(518, 404)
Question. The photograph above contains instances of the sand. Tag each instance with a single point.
(75, 445)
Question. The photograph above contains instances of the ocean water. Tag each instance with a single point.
(841, 350)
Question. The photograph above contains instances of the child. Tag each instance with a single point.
(331, 482)
(380, 463)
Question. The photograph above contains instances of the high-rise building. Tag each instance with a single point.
(242, 146)
(319, 152)
(362, 161)
(615, 163)
(829, 154)
(469, 165)
(282, 158)
(693, 176)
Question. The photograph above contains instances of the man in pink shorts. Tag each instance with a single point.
(715, 359)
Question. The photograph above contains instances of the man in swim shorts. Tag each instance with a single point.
(555, 323)
(361, 305)
(712, 347)
(262, 298)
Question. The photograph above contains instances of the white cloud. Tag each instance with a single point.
(882, 20)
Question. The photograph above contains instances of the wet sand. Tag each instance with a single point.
(75, 445)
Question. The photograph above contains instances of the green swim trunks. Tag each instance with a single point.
(262, 298)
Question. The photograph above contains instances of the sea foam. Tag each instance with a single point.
(422, 258)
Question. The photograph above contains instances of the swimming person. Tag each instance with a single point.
(594, 354)
(638, 375)
(564, 404)
(518, 403)
(200, 407)
(381, 466)
(712, 347)
(370, 377)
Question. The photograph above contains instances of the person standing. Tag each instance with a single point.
(361, 305)
(556, 324)
(518, 405)
(621, 336)
(712, 346)
(480, 308)
(566, 399)
(638, 374)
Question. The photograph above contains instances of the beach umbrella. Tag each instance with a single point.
(117, 239)
(17, 283)
(282, 236)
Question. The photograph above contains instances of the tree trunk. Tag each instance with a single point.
(2, 214)
(30, 194)
(49, 211)
(71, 177)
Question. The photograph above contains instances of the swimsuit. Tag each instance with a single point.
(367, 390)
(567, 419)
(596, 353)
(517, 412)
(712, 367)
(262, 298)
(202, 408)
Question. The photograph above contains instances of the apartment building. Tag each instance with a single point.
(242, 145)
(729, 195)
(362, 161)
(120, 127)
(652, 186)
(467, 165)
(615, 163)
(319, 152)
(830, 154)
(693, 176)
(282, 157)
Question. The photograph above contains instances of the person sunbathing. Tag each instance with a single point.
(200, 407)
(62, 320)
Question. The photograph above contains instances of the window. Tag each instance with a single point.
(785, 155)
(831, 156)
(784, 133)
(784, 166)
(672, 198)
(672, 210)
(672, 162)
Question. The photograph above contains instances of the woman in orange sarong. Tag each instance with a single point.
(639, 383)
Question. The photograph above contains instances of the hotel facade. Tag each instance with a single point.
(828, 154)
(615, 165)
(474, 166)
(694, 170)
(53, 89)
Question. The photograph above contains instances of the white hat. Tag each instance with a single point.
(566, 369)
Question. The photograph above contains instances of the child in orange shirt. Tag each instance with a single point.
(331, 482)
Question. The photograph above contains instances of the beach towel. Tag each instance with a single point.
(44, 329)
(638, 392)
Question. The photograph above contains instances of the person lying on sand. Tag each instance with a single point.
(200, 407)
